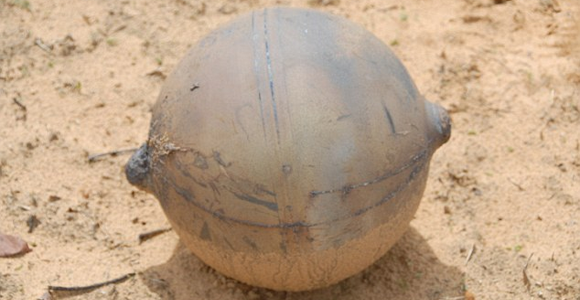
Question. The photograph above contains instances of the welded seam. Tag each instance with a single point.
(347, 188)
(187, 195)
(270, 74)
(256, 73)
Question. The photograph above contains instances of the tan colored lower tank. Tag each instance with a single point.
(289, 149)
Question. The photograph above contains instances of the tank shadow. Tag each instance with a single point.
(410, 270)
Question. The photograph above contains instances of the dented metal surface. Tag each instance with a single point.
(289, 149)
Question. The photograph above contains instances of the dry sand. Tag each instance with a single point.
(80, 77)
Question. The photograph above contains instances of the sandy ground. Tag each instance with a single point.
(80, 77)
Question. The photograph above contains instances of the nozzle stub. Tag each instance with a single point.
(439, 121)
(137, 168)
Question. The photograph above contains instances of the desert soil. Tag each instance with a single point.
(80, 77)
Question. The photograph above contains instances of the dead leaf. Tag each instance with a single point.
(12, 245)
(32, 223)
(53, 198)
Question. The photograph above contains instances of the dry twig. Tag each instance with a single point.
(17, 102)
(95, 157)
(516, 185)
(151, 234)
(38, 42)
(470, 254)
(525, 273)
(52, 288)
